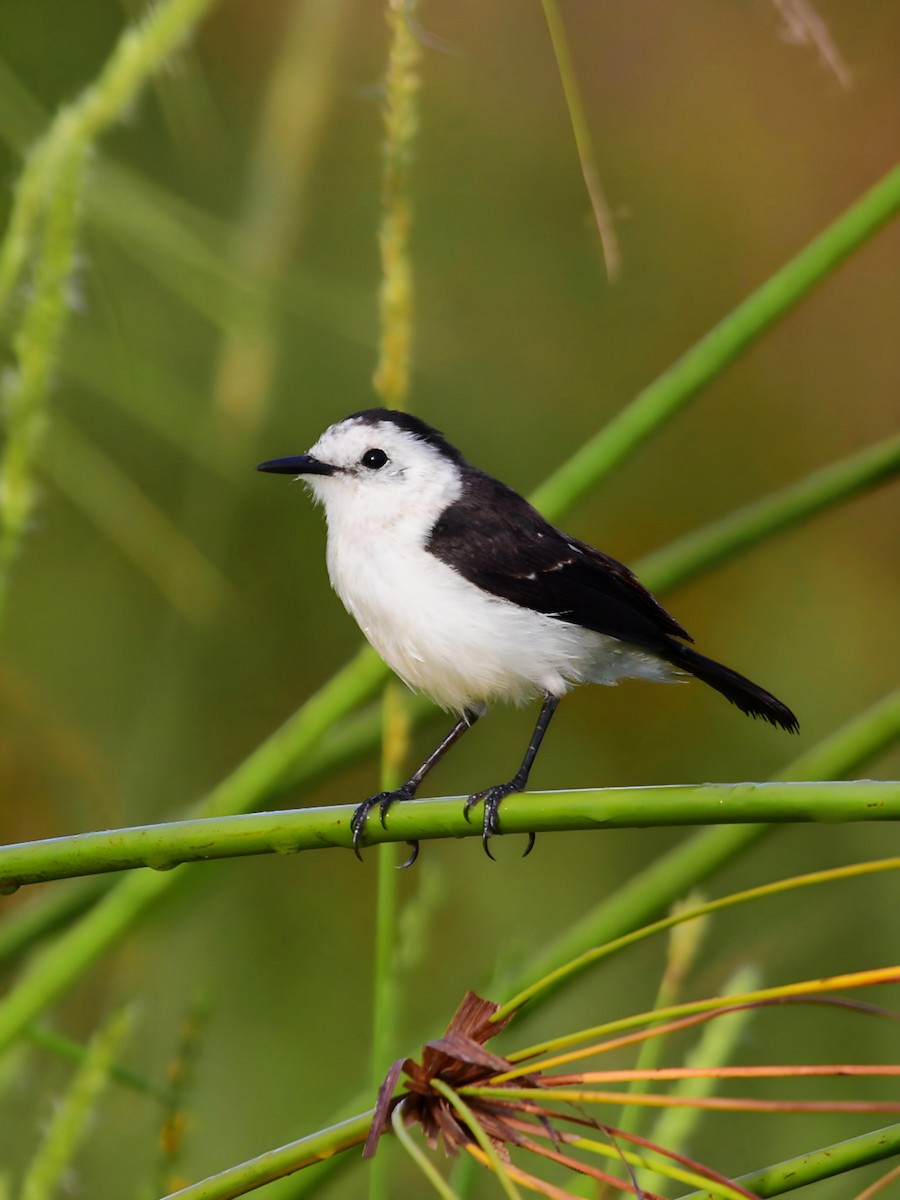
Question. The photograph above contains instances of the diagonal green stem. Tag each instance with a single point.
(688, 556)
(654, 890)
(824, 1163)
(275, 1164)
(616, 945)
(28, 924)
(720, 347)
(48, 976)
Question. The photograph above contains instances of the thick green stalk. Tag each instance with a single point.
(667, 395)
(863, 737)
(824, 1163)
(639, 901)
(395, 742)
(714, 544)
(52, 971)
(162, 847)
(277, 757)
(275, 1164)
(45, 914)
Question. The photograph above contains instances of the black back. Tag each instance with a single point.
(494, 538)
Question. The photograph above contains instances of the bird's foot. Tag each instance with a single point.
(492, 797)
(382, 802)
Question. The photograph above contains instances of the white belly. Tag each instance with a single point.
(461, 646)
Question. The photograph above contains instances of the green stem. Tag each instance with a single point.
(165, 846)
(705, 361)
(281, 755)
(689, 556)
(386, 990)
(275, 1164)
(818, 1164)
(50, 973)
(616, 945)
(44, 914)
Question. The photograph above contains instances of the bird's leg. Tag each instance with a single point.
(493, 795)
(384, 800)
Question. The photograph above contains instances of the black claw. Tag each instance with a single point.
(414, 854)
(358, 823)
(491, 824)
(383, 802)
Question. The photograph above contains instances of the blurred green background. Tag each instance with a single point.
(171, 606)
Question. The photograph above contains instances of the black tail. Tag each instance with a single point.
(749, 697)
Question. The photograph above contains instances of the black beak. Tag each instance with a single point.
(298, 464)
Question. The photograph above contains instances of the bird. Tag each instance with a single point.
(471, 596)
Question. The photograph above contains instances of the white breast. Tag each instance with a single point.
(446, 637)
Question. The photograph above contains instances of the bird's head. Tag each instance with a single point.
(379, 466)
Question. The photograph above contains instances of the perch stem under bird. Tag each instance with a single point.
(471, 596)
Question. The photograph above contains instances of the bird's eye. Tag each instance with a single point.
(374, 459)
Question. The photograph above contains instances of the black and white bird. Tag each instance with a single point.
(471, 596)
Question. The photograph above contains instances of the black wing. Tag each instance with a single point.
(494, 538)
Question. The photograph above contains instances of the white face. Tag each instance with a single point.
(385, 476)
